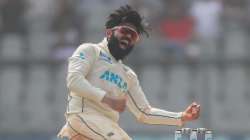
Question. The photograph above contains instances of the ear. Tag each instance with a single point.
(108, 33)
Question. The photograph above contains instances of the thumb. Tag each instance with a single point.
(189, 108)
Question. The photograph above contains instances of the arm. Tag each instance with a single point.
(79, 66)
(144, 113)
(139, 106)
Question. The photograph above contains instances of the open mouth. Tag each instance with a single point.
(124, 43)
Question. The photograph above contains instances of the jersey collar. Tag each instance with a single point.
(104, 46)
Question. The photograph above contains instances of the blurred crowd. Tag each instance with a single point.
(185, 29)
(198, 28)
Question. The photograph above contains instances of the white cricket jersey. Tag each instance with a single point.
(94, 72)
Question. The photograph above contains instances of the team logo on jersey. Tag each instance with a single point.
(115, 79)
(81, 55)
(105, 57)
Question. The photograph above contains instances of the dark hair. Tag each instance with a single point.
(125, 14)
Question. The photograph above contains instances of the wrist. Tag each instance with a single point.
(183, 119)
(105, 100)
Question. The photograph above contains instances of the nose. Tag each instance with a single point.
(129, 36)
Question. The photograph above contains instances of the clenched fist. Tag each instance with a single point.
(191, 113)
(117, 104)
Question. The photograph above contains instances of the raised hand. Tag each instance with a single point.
(192, 112)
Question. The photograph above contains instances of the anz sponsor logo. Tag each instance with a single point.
(115, 79)
(105, 57)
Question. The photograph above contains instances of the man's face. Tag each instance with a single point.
(122, 40)
(126, 35)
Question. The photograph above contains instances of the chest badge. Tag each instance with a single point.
(105, 57)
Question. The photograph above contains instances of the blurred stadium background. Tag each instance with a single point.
(198, 50)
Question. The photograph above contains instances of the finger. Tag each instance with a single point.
(198, 111)
(189, 109)
(199, 106)
(194, 103)
(196, 107)
(193, 108)
(194, 111)
(197, 115)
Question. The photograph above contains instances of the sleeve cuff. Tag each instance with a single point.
(180, 122)
(100, 95)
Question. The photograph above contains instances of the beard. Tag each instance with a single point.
(116, 51)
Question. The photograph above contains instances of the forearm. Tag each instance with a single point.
(158, 116)
(144, 113)
(81, 87)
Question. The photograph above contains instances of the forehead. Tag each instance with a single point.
(129, 25)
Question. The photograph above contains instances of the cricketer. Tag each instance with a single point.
(101, 86)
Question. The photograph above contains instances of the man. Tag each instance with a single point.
(101, 86)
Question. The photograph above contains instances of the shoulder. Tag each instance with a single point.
(89, 49)
(130, 73)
